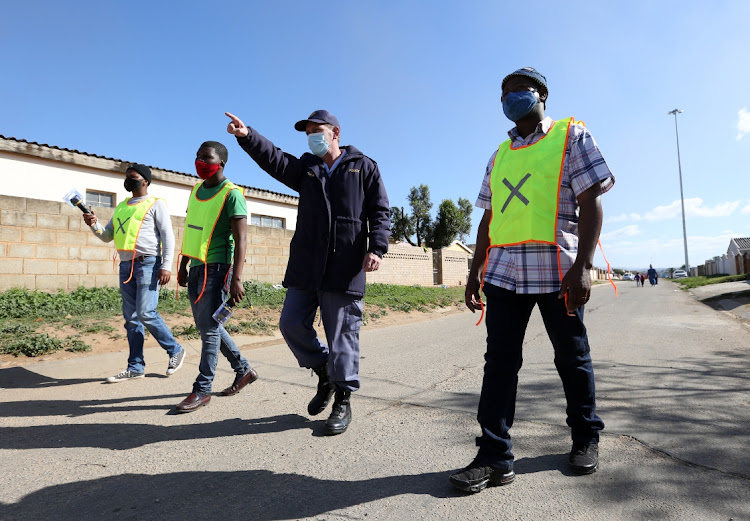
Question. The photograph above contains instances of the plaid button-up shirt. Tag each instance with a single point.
(532, 268)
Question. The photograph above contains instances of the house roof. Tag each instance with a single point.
(33, 148)
(743, 243)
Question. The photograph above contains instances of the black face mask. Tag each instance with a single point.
(131, 185)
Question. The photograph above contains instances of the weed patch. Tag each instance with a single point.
(694, 282)
(189, 332)
(38, 345)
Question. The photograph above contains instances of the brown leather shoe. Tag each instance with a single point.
(241, 381)
(192, 402)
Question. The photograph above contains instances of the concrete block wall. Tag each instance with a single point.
(405, 265)
(453, 267)
(45, 245)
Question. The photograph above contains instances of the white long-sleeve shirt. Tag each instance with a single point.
(155, 238)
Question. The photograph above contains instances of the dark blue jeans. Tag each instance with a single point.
(213, 336)
(140, 297)
(507, 316)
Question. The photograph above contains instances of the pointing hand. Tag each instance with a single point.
(236, 127)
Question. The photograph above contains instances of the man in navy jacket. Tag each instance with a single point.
(343, 224)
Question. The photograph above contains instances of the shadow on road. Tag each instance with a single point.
(124, 436)
(74, 408)
(677, 406)
(22, 378)
(259, 495)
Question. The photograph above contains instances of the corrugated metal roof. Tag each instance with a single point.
(742, 242)
(74, 151)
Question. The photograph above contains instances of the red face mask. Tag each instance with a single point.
(205, 170)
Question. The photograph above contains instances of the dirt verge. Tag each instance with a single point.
(114, 339)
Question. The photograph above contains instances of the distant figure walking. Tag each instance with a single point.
(637, 280)
(651, 275)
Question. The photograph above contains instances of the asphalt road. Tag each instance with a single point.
(673, 382)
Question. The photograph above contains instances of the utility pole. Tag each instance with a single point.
(682, 198)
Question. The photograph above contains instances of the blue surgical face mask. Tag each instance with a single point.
(516, 105)
(318, 144)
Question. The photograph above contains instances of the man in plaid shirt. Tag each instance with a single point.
(553, 276)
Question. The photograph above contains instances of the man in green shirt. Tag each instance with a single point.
(214, 243)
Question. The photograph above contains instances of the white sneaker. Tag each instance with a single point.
(175, 362)
(125, 375)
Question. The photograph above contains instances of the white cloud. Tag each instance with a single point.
(662, 252)
(745, 210)
(627, 231)
(743, 123)
(693, 208)
(623, 217)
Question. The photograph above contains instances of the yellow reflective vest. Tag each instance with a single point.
(525, 184)
(200, 221)
(127, 221)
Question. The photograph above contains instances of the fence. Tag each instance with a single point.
(45, 245)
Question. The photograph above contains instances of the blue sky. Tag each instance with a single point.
(415, 85)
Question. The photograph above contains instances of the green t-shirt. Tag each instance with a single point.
(221, 248)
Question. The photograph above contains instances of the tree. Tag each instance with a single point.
(419, 200)
(451, 222)
(466, 209)
(401, 225)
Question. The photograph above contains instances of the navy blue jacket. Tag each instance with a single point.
(335, 218)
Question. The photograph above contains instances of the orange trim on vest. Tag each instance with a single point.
(208, 245)
(557, 212)
(136, 236)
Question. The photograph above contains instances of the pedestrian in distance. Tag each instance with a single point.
(651, 275)
(541, 197)
(342, 233)
(214, 243)
(637, 280)
(142, 231)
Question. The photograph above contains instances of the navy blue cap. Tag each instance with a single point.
(319, 116)
(529, 72)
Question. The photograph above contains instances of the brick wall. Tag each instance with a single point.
(46, 245)
(452, 266)
(405, 265)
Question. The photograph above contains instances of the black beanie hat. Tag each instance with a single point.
(141, 169)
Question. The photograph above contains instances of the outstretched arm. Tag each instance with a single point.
(284, 167)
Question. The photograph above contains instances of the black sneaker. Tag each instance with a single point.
(125, 375)
(584, 458)
(477, 476)
(175, 362)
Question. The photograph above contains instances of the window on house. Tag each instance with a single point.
(100, 199)
(266, 221)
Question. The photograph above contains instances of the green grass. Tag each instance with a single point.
(106, 302)
(411, 298)
(694, 282)
(38, 345)
(92, 310)
(25, 304)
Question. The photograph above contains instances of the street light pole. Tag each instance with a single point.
(682, 198)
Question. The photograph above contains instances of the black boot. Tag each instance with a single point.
(325, 391)
(341, 415)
